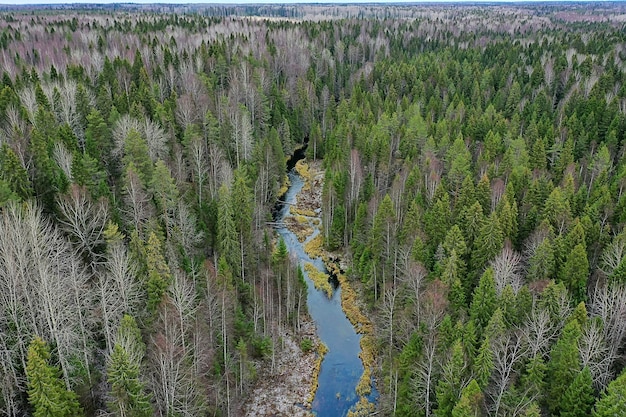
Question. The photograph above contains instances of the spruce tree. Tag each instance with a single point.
(47, 393)
(613, 401)
(578, 400)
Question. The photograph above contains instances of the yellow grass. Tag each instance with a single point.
(300, 219)
(313, 247)
(302, 211)
(362, 325)
(284, 187)
(320, 279)
(362, 409)
(302, 168)
(303, 233)
(321, 351)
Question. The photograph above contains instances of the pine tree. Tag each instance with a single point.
(242, 199)
(136, 151)
(46, 392)
(226, 229)
(534, 376)
(483, 365)
(507, 215)
(460, 163)
(557, 210)
(13, 173)
(472, 220)
(159, 274)
(437, 218)
(542, 263)
(382, 236)
(483, 194)
(454, 241)
(165, 192)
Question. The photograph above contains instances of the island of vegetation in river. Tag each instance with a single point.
(472, 206)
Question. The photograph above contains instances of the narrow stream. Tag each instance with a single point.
(341, 367)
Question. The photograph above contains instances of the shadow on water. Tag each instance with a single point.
(341, 368)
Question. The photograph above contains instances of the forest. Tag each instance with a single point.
(474, 186)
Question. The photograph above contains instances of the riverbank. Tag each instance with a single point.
(287, 390)
(344, 372)
(309, 203)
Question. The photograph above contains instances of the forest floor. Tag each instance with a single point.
(289, 390)
(286, 391)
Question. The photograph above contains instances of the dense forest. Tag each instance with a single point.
(475, 179)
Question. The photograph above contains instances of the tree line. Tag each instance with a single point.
(474, 165)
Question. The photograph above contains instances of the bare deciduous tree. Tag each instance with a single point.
(507, 270)
(608, 302)
(46, 287)
(84, 220)
(138, 207)
(508, 350)
(596, 355)
(614, 254)
(156, 138)
(118, 288)
(64, 159)
(539, 331)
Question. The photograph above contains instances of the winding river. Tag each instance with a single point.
(341, 367)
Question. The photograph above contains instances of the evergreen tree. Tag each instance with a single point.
(488, 243)
(472, 220)
(542, 263)
(226, 229)
(159, 275)
(470, 403)
(451, 382)
(136, 151)
(46, 392)
(484, 300)
(437, 218)
(127, 390)
(578, 400)
(483, 365)
(13, 173)
(613, 401)
(563, 366)
(574, 273)
(242, 199)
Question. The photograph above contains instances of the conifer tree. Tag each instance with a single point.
(613, 401)
(46, 392)
(563, 366)
(451, 382)
(484, 301)
(574, 273)
(578, 399)
(470, 403)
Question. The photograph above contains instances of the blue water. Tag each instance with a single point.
(341, 368)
